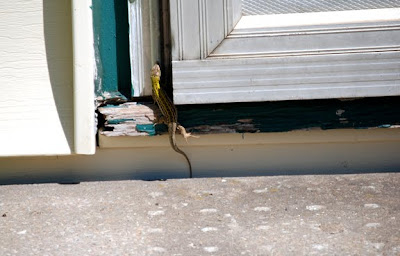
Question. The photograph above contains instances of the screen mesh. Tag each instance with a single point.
(262, 7)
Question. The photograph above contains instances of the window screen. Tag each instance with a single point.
(263, 7)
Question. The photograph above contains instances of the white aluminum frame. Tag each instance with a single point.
(219, 56)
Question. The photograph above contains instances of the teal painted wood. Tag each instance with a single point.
(123, 48)
(148, 128)
(291, 115)
(122, 120)
(111, 37)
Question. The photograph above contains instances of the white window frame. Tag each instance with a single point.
(219, 56)
(144, 35)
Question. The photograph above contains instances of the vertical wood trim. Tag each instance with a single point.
(202, 28)
(180, 29)
(136, 39)
(176, 29)
(226, 18)
(83, 68)
(203, 23)
(145, 43)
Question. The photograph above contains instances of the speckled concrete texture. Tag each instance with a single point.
(281, 215)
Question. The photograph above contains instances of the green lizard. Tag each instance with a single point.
(169, 112)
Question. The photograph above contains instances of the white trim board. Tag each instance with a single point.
(83, 66)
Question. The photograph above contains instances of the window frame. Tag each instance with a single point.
(144, 36)
(216, 62)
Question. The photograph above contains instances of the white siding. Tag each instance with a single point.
(36, 103)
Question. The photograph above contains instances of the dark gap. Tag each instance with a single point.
(123, 48)
(165, 38)
(142, 99)
(292, 115)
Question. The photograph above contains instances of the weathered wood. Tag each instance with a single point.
(291, 115)
(111, 44)
(383, 112)
(129, 119)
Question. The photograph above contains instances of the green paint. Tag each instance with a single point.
(111, 38)
(111, 106)
(291, 115)
(118, 121)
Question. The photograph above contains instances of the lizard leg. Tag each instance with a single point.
(158, 120)
(186, 134)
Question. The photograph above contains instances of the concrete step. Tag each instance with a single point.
(280, 215)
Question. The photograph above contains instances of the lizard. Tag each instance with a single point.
(170, 114)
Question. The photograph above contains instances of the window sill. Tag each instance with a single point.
(311, 136)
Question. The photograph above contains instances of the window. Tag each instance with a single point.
(307, 52)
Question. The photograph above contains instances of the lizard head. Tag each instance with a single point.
(156, 71)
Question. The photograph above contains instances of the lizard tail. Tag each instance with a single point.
(172, 141)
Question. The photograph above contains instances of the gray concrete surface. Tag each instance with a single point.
(281, 215)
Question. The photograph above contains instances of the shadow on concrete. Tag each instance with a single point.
(71, 178)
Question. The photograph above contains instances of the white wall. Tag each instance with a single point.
(36, 103)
